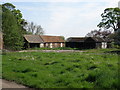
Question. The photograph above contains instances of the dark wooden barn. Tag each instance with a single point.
(87, 42)
(75, 42)
(95, 42)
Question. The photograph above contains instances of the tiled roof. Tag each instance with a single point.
(98, 39)
(33, 38)
(46, 38)
(43, 38)
(82, 39)
(76, 39)
(109, 40)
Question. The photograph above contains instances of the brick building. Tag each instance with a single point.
(43, 41)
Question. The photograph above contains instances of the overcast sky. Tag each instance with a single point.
(69, 18)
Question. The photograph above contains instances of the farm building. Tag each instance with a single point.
(87, 42)
(95, 42)
(75, 42)
(1, 40)
(43, 41)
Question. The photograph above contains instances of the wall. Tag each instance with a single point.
(54, 45)
(104, 45)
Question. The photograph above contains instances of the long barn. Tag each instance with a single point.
(43, 41)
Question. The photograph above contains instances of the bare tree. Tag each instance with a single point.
(34, 29)
(99, 33)
(39, 30)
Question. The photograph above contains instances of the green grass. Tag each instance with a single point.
(62, 70)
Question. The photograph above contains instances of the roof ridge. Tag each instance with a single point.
(41, 38)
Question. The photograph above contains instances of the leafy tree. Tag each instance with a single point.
(0, 18)
(110, 19)
(34, 29)
(11, 28)
(17, 13)
(13, 39)
(8, 6)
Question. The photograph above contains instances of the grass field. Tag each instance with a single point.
(89, 69)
